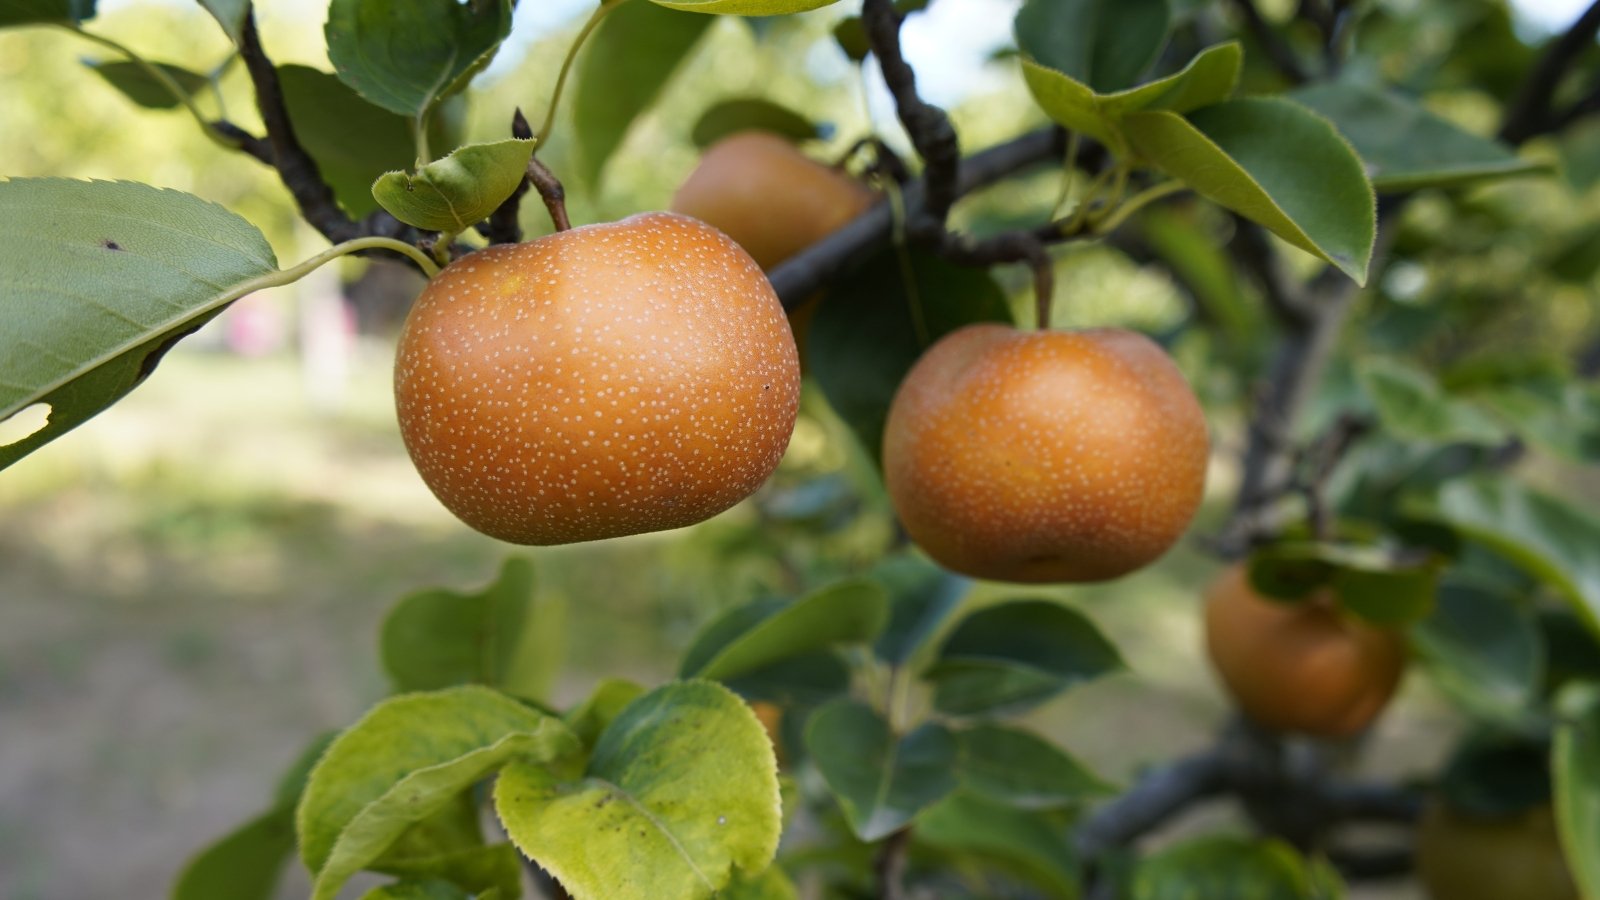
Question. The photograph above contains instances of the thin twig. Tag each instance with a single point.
(927, 125)
(890, 865)
(1529, 115)
(295, 166)
(1272, 43)
(550, 191)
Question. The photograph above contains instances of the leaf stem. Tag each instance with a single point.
(604, 9)
(161, 77)
(1068, 164)
(419, 136)
(1145, 197)
(908, 273)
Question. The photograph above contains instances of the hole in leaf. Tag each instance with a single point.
(109, 244)
(25, 423)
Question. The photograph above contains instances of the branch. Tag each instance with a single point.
(504, 225)
(889, 868)
(850, 246)
(1529, 115)
(1159, 795)
(927, 125)
(295, 166)
(1272, 43)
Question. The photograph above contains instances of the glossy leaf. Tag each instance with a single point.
(32, 12)
(441, 638)
(1496, 774)
(99, 279)
(1576, 772)
(681, 790)
(1406, 147)
(1412, 406)
(145, 89)
(459, 191)
(853, 611)
(230, 14)
(746, 7)
(1022, 770)
(750, 114)
(1208, 78)
(408, 57)
(1556, 542)
(881, 782)
(865, 338)
(1035, 845)
(1227, 868)
(1372, 582)
(796, 682)
(403, 762)
(629, 60)
(1273, 162)
(1104, 44)
(353, 141)
(1483, 649)
(922, 597)
(1016, 655)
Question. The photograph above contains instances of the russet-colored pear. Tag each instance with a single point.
(1301, 666)
(608, 380)
(1045, 456)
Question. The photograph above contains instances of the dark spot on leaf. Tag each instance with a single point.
(109, 244)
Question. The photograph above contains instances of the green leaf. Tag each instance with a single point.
(34, 12)
(230, 14)
(1016, 655)
(1484, 651)
(98, 280)
(1404, 146)
(1378, 585)
(759, 634)
(1412, 406)
(1104, 44)
(1559, 416)
(589, 719)
(751, 114)
(865, 338)
(408, 57)
(440, 638)
(1555, 542)
(746, 7)
(479, 869)
(630, 59)
(922, 597)
(459, 191)
(145, 89)
(405, 761)
(771, 884)
(1035, 845)
(1495, 774)
(1020, 769)
(1273, 162)
(1228, 868)
(881, 783)
(352, 141)
(426, 889)
(244, 865)
(1208, 78)
(1580, 155)
(681, 789)
(1576, 770)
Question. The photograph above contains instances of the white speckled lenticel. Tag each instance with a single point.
(1045, 456)
(612, 379)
